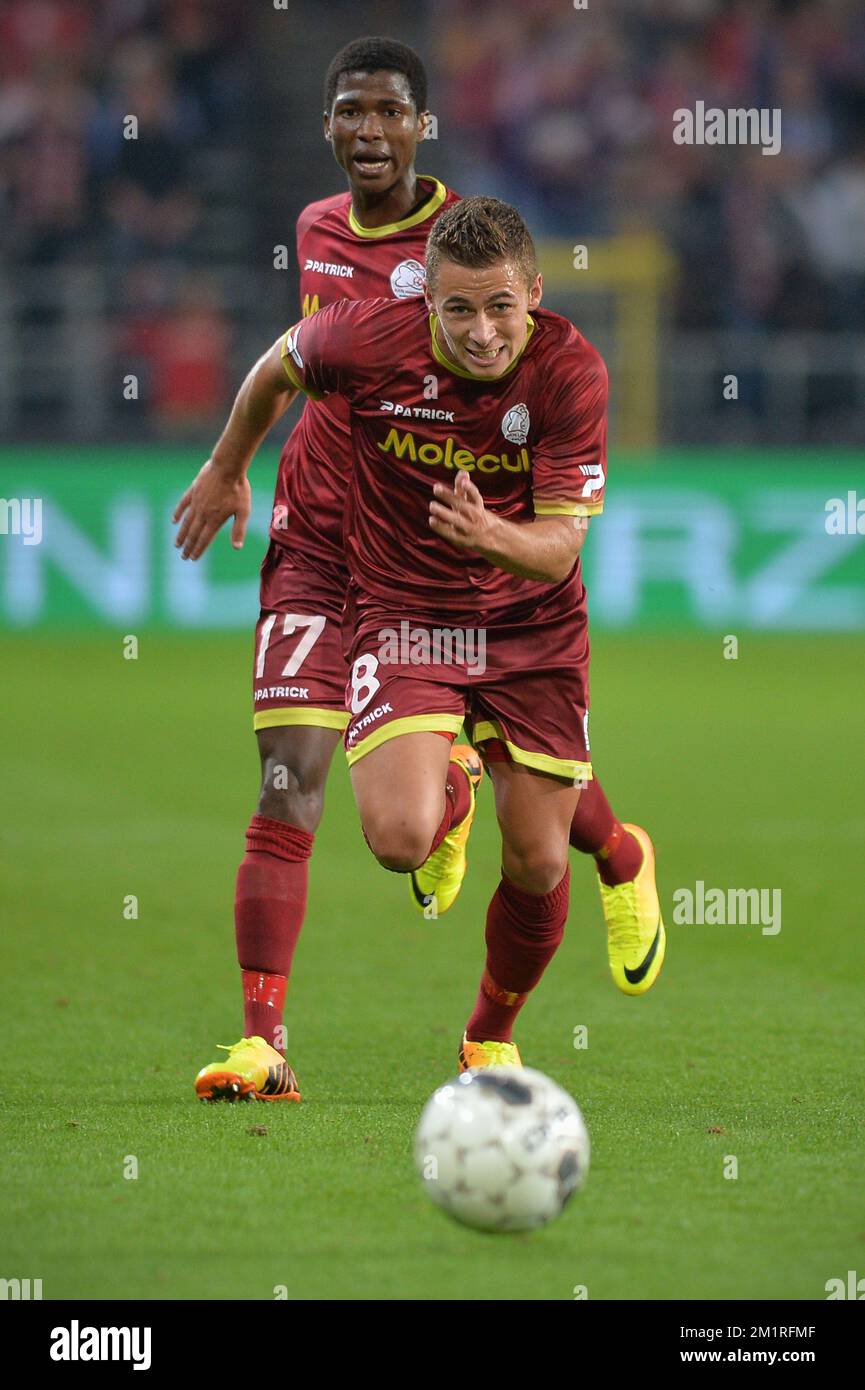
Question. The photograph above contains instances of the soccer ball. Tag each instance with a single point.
(501, 1148)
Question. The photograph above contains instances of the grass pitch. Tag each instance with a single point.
(138, 778)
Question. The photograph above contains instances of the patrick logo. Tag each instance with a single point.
(407, 280)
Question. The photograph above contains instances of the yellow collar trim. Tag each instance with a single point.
(431, 206)
(472, 376)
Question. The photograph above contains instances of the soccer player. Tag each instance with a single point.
(368, 242)
(365, 243)
(519, 419)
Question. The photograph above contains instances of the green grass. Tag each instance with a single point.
(138, 777)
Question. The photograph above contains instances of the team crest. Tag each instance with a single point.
(515, 425)
(407, 280)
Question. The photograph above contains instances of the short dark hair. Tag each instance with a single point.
(378, 55)
(477, 232)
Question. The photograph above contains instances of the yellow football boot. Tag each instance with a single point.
(474, 1055)
(435, 885)
(636, 940)
(253, 1070)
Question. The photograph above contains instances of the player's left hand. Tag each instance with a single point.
(458, 514)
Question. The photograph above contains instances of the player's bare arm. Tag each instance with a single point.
(221, 489)
(545, 549)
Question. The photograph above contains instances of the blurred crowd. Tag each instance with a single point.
(107, 108)
(568, 111)
(76, 177)
(144, 138)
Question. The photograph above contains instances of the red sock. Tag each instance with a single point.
(523, 934)
(269, 908)
(595, 830)
(263, 1003)
(458, 800)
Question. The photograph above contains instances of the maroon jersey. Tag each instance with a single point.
(339, 259)
(533, 441)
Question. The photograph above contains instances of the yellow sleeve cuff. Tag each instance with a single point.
(568, 508)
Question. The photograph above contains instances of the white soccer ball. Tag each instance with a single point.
(502, 1148)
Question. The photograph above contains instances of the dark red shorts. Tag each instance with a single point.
(519, 685)
(299, 670)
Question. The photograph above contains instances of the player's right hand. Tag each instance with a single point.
(206, 505)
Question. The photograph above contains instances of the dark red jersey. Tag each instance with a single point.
(533, 441)
(339, 259)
